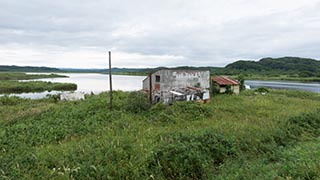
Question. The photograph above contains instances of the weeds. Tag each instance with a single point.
(234, 137)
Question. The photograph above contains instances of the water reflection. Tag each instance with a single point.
(90, 83)
(312, 87)
(97, 83)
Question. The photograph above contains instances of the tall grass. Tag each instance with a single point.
(24, 76)
(8, 87)
(232, 137)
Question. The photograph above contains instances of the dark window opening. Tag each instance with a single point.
(157, 78)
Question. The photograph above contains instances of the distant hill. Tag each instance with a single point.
(302, 67)
(288, 65)
(28, 69)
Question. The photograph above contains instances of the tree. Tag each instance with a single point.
(241, 80)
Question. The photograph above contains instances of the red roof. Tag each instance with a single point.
(222, 80)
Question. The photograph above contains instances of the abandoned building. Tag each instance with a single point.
(177, 85)
(223, 82)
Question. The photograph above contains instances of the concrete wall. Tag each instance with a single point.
(146, 84)
(179, 79)
(236, 89)
(176, 79)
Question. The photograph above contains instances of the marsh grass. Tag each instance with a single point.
(25, 76)
(8, 87)
(9, 83)
(232, 137)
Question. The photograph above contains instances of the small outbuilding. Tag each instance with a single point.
(223, 83)
(167, 85)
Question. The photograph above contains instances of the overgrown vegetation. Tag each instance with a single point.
(9, 83)
(249, 136)
(137, 102)
(7, 87)
(24, 76)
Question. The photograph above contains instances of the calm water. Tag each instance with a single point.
(90, 83)
(96, 83)
(312, 87)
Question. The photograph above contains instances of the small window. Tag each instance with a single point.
(157, 78)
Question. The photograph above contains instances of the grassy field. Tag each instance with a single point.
(9, 83)
(249, 136)
(24, 76)
(8, 87)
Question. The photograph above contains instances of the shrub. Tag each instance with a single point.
(262, 90)
(188, 156)
(137, 102)
(186, 111)
(306, 74)
(242, 82)
(228, 89)
(305, 123)
(10, 101)
(214, 88)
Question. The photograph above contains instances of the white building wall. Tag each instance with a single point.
(177, 79)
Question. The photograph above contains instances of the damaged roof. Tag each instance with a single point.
(222, 80)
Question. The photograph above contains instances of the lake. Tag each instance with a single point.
(89, 83)
(96, 83)
(311, 87)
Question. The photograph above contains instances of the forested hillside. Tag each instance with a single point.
(27, 69)
(286, 65)
(293, 66)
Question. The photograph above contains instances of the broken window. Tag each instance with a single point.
(157, 78)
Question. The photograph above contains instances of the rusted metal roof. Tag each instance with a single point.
(222, 80)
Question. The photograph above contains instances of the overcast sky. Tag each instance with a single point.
(150, 33)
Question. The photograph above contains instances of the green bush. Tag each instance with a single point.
(189, 156)
(305, 124)
(34, 86)
(228, 89)
(214, 88)
(10, 101)
(137, 102)
(262, 90)
(242, 82)
(184, 111)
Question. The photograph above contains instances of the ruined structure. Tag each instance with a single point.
(173, 85)
(222, 82)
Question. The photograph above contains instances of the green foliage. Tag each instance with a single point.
(301, 162)
(10, 101)
(305, 124)
(273, 66)
(297, 94)
(189, 156)
(232, 137)
(137, 102)
(34, 86)
(54, 97)
(24, 76)
(242, 82)
(214, 88)
(306, 74)
(228, 89)
(9, 83)
(262, 90)
(179, 111)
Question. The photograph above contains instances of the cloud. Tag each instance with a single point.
(145, 33)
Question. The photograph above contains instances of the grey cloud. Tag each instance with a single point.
(203, 32)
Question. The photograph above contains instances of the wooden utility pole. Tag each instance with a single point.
(110, 80)
(150, 88)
